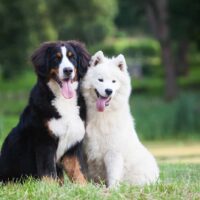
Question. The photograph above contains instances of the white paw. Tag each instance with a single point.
(112, 184)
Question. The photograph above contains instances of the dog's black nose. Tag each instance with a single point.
(108, 91)
(67, 71)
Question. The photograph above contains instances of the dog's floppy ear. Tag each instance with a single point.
(97, 58)
(121, 62)
(83, 57)
(40, 59)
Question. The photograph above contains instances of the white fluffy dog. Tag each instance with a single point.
(114, 152)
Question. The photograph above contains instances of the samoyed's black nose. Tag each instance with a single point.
(108, 91)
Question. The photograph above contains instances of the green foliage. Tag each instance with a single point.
(148, 85)
(184, 19)
(154, 83)
(13, 34)
(187, 114)
(21, 28)
(90, 21)
(130, 47)
(156, 119)
(13, 98)
(131, 16)
(192, 80)
(141, 50)
(22, 83)
(24, 24)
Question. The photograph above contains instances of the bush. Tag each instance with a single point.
(146, 51)
(130, 47)
(187, 114)
(89, 32)
(156, 119)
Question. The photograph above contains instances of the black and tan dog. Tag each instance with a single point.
(50, 125)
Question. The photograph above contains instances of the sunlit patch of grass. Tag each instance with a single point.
(175, 152)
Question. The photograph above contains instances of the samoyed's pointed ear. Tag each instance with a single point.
(97, 58)
(121, 62)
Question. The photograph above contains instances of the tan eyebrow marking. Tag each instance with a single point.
(58, 55)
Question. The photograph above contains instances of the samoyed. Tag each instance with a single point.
(113, 150)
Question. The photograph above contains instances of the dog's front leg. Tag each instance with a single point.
(46, 161)
(114, 168)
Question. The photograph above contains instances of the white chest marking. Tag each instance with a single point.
(69, 128)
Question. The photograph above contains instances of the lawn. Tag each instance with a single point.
(177, 181)
(176, 146)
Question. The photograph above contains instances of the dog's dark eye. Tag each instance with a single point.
(70, 54)
(113, 81)
(100, 80)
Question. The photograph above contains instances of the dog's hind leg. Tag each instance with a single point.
(46, 161)
(3, 170)
(60, 174)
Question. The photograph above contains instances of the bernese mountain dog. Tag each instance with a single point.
(50, 130)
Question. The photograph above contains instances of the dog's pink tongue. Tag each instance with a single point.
(101, 104)
(67, 89)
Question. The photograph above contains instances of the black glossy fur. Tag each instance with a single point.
(29, 149)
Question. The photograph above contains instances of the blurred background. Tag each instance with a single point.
(159, 38)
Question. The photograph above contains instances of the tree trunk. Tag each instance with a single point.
(157, 13)
(182, 57)
(170, 72)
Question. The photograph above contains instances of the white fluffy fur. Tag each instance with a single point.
(114, 152)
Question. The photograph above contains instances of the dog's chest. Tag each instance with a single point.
(105, 133)
(64, 128)
(99, 139)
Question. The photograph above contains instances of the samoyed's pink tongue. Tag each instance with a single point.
(101, 104)
(67, 90)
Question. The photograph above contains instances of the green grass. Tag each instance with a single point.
(176, 182)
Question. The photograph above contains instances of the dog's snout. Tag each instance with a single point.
(67, 71)
(108, 91)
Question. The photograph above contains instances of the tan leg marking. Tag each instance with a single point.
(72, 168)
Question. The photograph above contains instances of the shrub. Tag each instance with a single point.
(144, 50)
(130, 47)
(156, 119)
